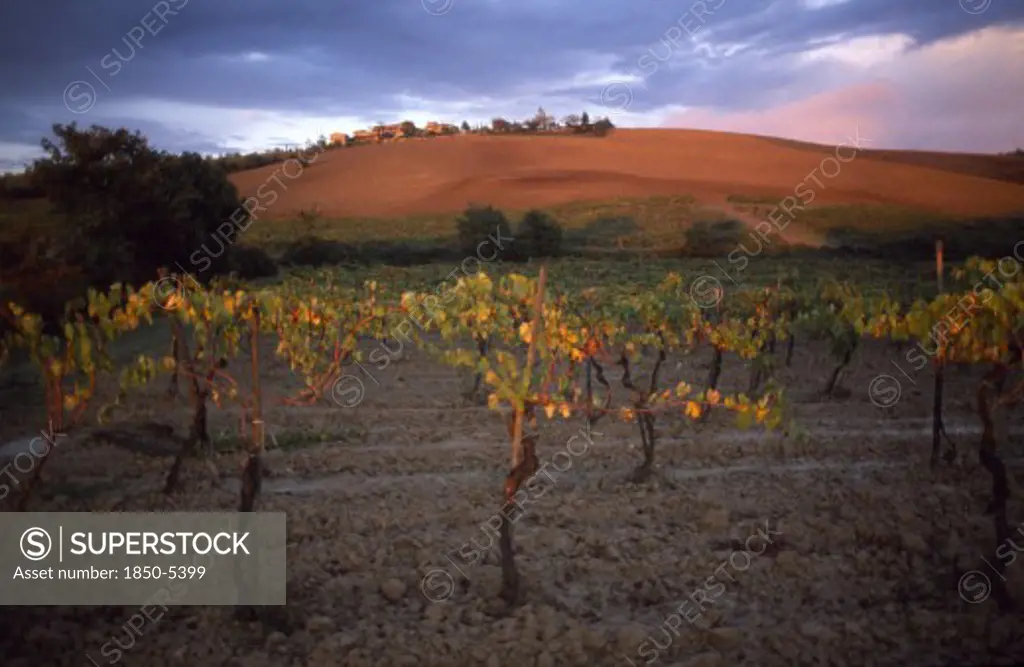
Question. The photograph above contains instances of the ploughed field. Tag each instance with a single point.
(746, 548)
(445, 174)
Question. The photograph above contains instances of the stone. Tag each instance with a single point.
(630, 636)
(817, 631)
(275, 639)
(716, 519)
(914, 543)
(725, 640)
(320, 624)
(393, 589)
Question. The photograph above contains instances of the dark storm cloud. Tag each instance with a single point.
(345, 58)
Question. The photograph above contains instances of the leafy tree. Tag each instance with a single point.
(465, 126)
(602, 127)
(710, 239)
(479, 224)
(408, 128)
(499, 125)
(131, 209)
(585, 120)
(539, 235)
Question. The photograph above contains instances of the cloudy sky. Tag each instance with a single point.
(221, 75)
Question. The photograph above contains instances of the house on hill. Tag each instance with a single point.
(393, 131)
(364, 135)
(434, 128)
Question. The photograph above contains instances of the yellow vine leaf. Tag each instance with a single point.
(525, 332)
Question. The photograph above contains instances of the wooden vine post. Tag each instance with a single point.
(524, 458)
(938, 366)
(252, 469)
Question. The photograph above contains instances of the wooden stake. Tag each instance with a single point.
(939, 367)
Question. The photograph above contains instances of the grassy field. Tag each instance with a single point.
(631, 221)
(616, 228)
(624, 223)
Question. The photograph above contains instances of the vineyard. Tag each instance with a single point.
(546, 358)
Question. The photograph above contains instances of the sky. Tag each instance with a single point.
(216, 76)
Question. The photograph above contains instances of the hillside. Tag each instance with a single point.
(443, 175)
(1008, 168)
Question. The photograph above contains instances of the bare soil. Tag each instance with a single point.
(867, 545)
(445, 174)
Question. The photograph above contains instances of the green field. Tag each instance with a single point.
(616, 224)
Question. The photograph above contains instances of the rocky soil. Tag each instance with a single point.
(747, 549)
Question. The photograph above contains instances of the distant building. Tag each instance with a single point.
(388, 131)
(364, 135)
(433, 127)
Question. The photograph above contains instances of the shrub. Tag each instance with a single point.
(314, 251)
(18, 186)
(249, 262)
(479, 228)
(714, 238)
(539, 235)
(602, 127)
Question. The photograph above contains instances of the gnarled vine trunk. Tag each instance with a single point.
(990, 460)
(524, 457)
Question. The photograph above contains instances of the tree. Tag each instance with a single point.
(131, 209)
(543, 120)
(571, 121)
(480, 224)
(499, 125)
(585, 120)
(408, 128)
(539, 235)
(602, 127)
(465, 126)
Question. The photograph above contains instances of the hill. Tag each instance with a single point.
(444, 175)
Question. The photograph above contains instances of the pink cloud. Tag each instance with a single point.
(962, 94)
(827, 118)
